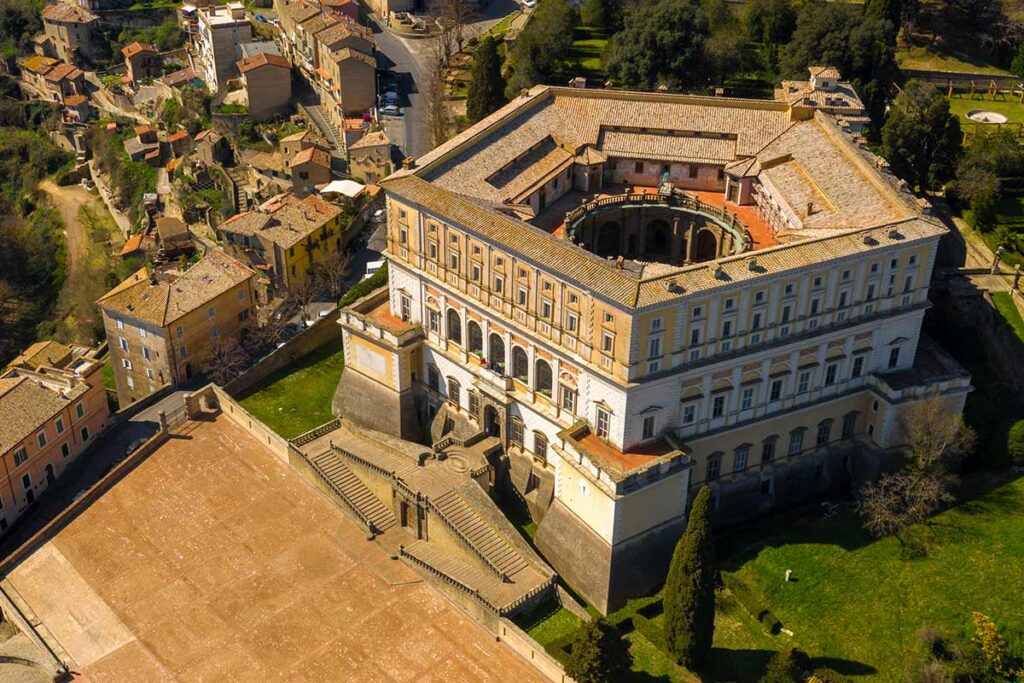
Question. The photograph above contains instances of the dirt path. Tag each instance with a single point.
(68, 200)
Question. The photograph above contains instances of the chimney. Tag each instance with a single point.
(618, 262)
(810, 208)
(752, 265)
(409, 163)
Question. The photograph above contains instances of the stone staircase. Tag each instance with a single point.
(484, 540)
(353, 492)
(319, 117)
(464, 576)
(238, 181)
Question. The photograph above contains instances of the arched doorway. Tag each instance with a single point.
(491, 423)
(454, 327)
(657, 237)
(607, 243)
(496, 356)
(706, 247)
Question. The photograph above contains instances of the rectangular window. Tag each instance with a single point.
(785, 313)
(545, 309)
(540, 446)
(120, 324)
(79, 410)
(776, 391)
(714, 465)
(830, 374)
(693, 170)
(516, 437)
(689, 413)
(727, 328)
(522, 296)
(405, 307)
(124, 344)
(474, 272)
(607, 342)
(654, 347)
(65, 450)
(603, 423)
(180, 331)
(568, 399)
(656, 324)
(126, 364)
(145, 352)
(747, 399)
(804, 382)
(638, 167)
(26, 482)
(572, 323)
(815, 303)
(739, 458)
(768, 450)
(648, 432)
(403, 235)
(849, 425)
(432, 250)
(796, 441)
(858, 366)
(41, 439)
(60, 425)
(755, 323)
(211, 312)
(85, 433)
(499, 284)
(453, 260)
(824, 432)
(694, 337)
(718, 406)
(894, 357)
(20, 456)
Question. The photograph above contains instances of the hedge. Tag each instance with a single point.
(364, 287)
(751, 604)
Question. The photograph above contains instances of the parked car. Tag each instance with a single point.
(391, 110)
(134, 446)
(372, 267)
(260, 18)
(529, 3)
(390, 97)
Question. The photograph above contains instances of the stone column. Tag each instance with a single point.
(691, 242)
(677, 239)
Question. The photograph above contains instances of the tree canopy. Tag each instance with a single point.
(541, 53)
(689, 594)
(486, 84)
(662, 43)
(921, 138)
(603, 14)
(597, 653)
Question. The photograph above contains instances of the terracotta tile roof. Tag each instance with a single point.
(132, 244)
(298, 137)
(841, 99)
(179, 135)
(38, 64)
(67, 13)
(179, 77)
(134, 48)
(268, 161)
(824, 71)
(75, 100)
(346, 53)
(25, 406)
(284, 220)
(317, 23)
(311, 155)
(162, 302)
(48, 352)
(62, 71)
(341, 30)
(143, 129)
(263, 59)
(374, 138)
(299, 12)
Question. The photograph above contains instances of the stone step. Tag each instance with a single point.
(484, 539)
(484, 582)
(349, 487)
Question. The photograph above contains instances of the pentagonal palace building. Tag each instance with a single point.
(636, 295)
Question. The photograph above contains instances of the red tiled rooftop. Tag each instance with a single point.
(382, 316)
(636, 457)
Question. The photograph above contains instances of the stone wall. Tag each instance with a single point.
(526, 647)
(243, 418)
(323, 331)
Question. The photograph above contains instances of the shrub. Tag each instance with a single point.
(1015, 441)
(786, 666)
(361, 289)
(754, 608)
(597, 653)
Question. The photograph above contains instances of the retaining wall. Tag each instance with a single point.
(526, 647)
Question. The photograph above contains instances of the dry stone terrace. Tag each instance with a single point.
(213, 561)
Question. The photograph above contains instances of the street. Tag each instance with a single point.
(408, 58)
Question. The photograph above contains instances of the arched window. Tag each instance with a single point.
(520, 364)
(454, 326)
(476, 337)
(542, 377)
(496, 353)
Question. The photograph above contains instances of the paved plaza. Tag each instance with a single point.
(213, 561)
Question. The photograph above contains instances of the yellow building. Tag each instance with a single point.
(643, 294)
(284, 238)
(163, 326)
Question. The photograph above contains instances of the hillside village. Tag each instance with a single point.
(568, 341)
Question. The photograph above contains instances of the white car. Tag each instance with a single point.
(391, 110)
(529, 3)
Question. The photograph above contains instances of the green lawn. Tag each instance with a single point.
(927, 59)
(858, 603)
(1010, 107)
(297, 398)
(587, 50)
(1008, 309)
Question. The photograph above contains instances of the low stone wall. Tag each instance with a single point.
(323, 331)
(526, 647)
(244, 419)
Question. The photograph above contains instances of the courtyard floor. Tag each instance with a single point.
(213, 561)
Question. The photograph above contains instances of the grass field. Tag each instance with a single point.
(1008, 309)
(858, 603)
(297, 398)
(927, 59)
(587, 49)
(1009, 107)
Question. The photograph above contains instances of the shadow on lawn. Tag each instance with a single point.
(844, 531)
(750, 665)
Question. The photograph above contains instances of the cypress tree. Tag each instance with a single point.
(486, 85)
(689, 595)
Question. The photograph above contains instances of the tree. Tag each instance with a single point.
(886, 10)
(786, 666)
(227, 362)
(822, 36)
(770, 24)
(1015, 441)
(667, 38)
(921, 138)
(486, 84)
(899, 500)
(596, 654)
(330, 274)
(438, 117)
(603, 14)
(542, 51)
(689, 594)
(872, 64)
